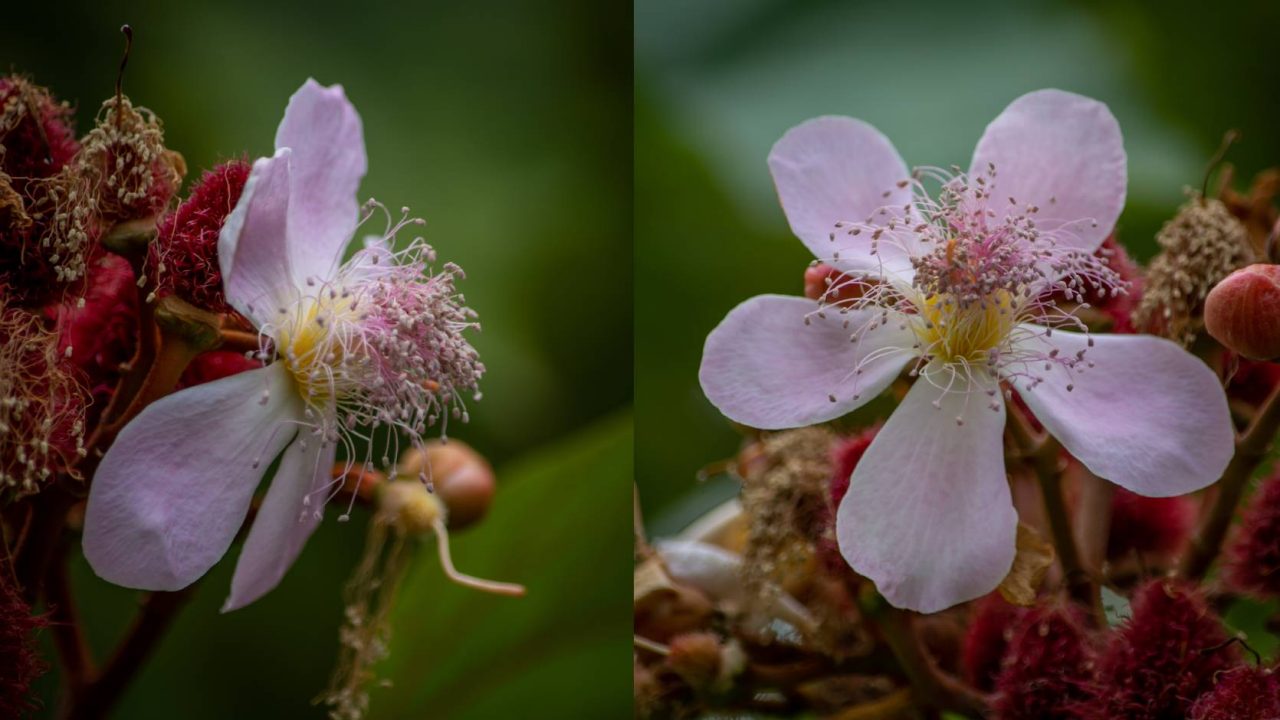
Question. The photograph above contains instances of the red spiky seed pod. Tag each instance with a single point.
(1253, 555)
(845, 454)
(36, 130)
(1244, 693)
(184, 256)
(20, 664)
(986, 639)
(1047, 667)
(98, 332)
(1162, 658)
(1148, 525)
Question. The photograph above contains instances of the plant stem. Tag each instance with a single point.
(1251, 448)
(97, 699)
(74, 653)
(1043, 452)
(930, 686)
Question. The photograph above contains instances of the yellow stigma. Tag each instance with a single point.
(311, 347)
(955, 333)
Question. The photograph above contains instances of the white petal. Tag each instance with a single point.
(1147, 415)
(928, 516)
(765, 367)
(838, 169)
(173, 490)
(253, 253)
(290, 512)
(1063, 153)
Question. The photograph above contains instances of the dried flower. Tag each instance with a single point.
(36, 131)
(958, 285)
(1200, 246)
(42, 403)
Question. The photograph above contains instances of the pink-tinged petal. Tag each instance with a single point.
(1146, 414)
(765, 367)
(928, 516)
(324, 131)
(289, 513)
(838, 169)
(1063, 153)
(173, 490)
(253, 254)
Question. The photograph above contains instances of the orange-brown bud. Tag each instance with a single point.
(1243, 312)
(461, 477)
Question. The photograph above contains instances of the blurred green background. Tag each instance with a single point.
(507, 126)
(719, 81)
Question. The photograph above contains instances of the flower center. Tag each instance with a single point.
(965, 333)
(311, 344)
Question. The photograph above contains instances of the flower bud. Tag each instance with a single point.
(459, 475)
(1243, 312)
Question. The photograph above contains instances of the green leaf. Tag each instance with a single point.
(1116, 607)
(557, 525)
(1250, 617)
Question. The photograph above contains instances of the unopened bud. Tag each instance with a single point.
(1243, 312)
(459, 475)
(199, 328)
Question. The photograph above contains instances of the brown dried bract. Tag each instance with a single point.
(1200, 246)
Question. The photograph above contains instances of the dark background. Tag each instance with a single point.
(507, 126)
(718, 82)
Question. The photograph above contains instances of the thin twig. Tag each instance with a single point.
(931, 687)
(74, 654)
(1043, 452)
(98, 698)
(1251, 448)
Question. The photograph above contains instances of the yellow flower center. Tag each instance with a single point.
(964, 333)
(311, 345)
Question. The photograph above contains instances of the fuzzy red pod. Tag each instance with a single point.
(1048, 666)
(1251, 381)
(36, 130)
(20, 664)
(1245, 693)
(1253, 555)
(986, 639)
(845, 454)
(99, 335)
(1148, 525)
(215, 365)
(1243, 311)
(183, 259)
(1162, 658)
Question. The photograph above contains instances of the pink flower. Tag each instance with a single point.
(957, 286)
(376, 341)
